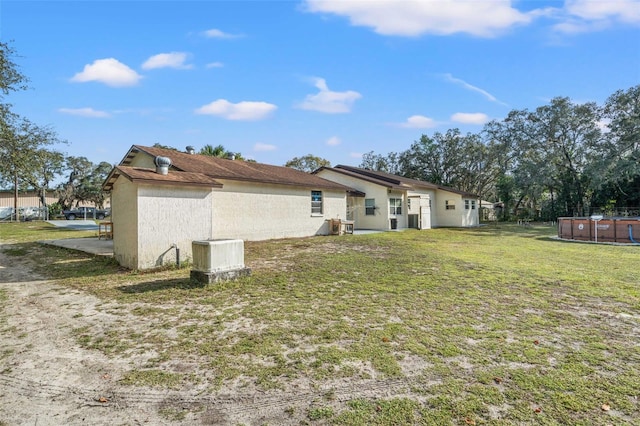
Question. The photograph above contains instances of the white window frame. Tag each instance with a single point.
(450, 204)
(473, 204)
(317, 207)
(395, 206)
(466, 204)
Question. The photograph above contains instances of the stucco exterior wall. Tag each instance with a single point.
(444, 217)
(124, 215)
(471, 216)
(380, 220)
(169, 215)
(252, 211)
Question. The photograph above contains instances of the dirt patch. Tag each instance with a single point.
(48, 378)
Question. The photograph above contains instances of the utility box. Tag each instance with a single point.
(218, 260)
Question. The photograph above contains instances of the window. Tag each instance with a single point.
(450, 204)
(370, 206)
(473, 204)
(395, 206)
(316, 202)
(466, 204)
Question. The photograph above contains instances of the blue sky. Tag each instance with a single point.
(279, 79)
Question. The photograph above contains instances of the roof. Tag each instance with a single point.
(391, 181)
(145, 175)
(198, 168)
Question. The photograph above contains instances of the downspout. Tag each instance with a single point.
(175, 246)
(631, 234)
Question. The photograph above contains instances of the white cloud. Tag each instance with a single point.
(84, 112)
(593, 10)
(264, 147)
(216, 33)
(334, 141)
(109, 71)
(215, 65)
(594, 15)
(328, 101)
(246, 110)
(470, 117)
(472, 88)
(485, 18)
(419, 122)
(167, 60)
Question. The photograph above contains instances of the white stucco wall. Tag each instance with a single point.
(147, 220)
(252, 211)
(471, 216)
(170, 215)
(444, 217)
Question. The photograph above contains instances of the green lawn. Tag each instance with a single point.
(494, 325)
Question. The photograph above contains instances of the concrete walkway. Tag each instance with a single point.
(88, 245)
(79, 225)
(92, 245)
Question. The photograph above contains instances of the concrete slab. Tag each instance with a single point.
(87, 245)
(79, 225)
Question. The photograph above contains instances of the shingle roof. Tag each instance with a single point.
(394, 181)
(142, 174)
(221, 168)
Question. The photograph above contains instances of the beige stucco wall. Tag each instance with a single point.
(124, 215)
(439, 215)
(148, 220)
(380, 193)
(251, 211)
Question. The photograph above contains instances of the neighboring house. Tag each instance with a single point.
(202, 197)
(389, 201)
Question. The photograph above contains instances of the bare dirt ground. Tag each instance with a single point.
(46, 378)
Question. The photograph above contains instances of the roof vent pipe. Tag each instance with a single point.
(191, 150)
(162, 165)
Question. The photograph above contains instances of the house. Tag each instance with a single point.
(162, 200)
(385, 201)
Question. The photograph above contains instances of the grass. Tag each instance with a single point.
(494, 325)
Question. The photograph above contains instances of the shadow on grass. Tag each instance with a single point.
(538, 231)
(160, 285)
(53, 262)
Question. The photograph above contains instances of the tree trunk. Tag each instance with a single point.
(15, 198)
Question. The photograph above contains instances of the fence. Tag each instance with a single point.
(610, 229)
(25, 213)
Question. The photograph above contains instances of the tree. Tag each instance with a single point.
(617, 173)
(460, 161)
(84, 183)
(380, 163)
(220, 152)
(159, 145)
(48, 164)
(11, 79)
(23, 159)
(307, 163)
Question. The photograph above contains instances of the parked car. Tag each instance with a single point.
(85, 212)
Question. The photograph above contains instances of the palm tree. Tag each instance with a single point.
(221, 152)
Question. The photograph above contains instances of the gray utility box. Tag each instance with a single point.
(218, 260)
